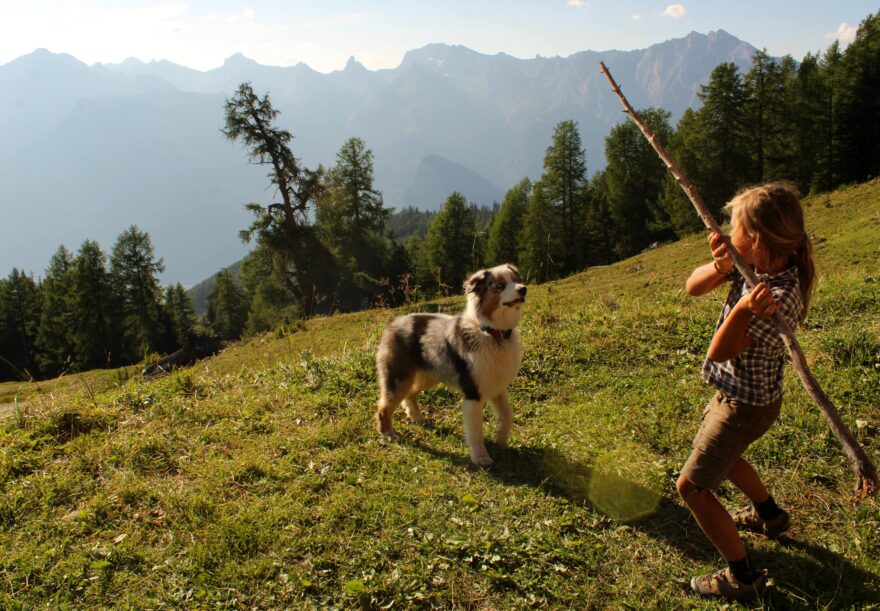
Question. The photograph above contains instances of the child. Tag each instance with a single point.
(744, 364)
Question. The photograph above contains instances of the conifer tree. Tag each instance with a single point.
(827, 174)
(94, 311)
(227, 307)
(599, 228)
(301, 263)
(503, 242)
(133, 267)
(53, 338)
(20, 303)
(810, 93)
(178, 311)
(634, 181)
(721, 148)
(858, 121)
(351, 219)
(449, 249)
(685, 143)
(781, 151)
(565, 174)
(541, 244)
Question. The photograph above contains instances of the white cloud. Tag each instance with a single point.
(636, 17)
(845, 33)
(676, 11)
(577, 3)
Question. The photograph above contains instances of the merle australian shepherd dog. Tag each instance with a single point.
(477, 353)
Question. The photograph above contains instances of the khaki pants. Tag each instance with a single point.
(728, 427)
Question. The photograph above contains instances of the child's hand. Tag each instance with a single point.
(723, 262)
(760, 301)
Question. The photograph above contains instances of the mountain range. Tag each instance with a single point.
(87, 151)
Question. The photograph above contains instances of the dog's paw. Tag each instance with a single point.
(420, 420)
(482, 461)
(501, 442)
(390, 436)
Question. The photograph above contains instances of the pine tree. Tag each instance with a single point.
(810, 93)
(685, 144)
(599, 228)
(450, 246)
(858, 120)
(541, 243)
(504, 233)
(633, 181)
(227, 307)
(55, 350)
(133, 267)
(721, 148)
(769, 117)
(351, 220)
(565, 174)
(827, 174)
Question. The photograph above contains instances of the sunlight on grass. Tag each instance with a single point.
(627, 482)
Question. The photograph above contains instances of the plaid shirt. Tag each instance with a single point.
(755, 375)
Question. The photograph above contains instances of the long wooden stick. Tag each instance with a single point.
(866, 474)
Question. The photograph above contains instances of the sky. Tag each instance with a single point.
(323, 34)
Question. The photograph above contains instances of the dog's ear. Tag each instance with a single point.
(516, 275)
(478, 282)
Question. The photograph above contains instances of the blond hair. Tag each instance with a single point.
(772, 216)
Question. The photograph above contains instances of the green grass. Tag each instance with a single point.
(256, 479)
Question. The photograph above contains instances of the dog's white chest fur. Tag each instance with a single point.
(496, 364)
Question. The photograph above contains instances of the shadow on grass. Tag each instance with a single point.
(805, 574)
(559, 476)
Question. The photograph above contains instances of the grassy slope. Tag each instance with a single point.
(256, 478)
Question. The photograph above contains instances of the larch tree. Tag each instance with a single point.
(301, 263)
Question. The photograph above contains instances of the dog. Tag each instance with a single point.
(477, 353)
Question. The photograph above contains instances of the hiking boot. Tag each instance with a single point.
(724, 585)
(748, 519)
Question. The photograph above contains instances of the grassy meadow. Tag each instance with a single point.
(256, 479)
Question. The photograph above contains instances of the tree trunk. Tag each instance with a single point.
(866, 474)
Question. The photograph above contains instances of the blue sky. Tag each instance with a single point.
(325, 33)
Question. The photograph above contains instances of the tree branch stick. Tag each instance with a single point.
(866, 474)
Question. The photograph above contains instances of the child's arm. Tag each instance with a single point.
(710, 276)
(731, 339)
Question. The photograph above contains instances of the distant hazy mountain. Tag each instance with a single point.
(87, 151)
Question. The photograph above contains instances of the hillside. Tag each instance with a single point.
(256, 479)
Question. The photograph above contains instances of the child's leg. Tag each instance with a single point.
(743, 476)
(713, 518)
